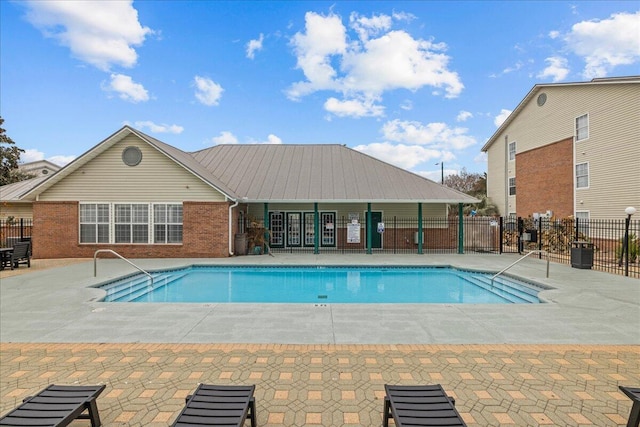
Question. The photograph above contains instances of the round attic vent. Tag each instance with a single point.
(542, 98)
(131, 156)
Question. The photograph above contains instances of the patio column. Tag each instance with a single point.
(460, 229)
(316, 229)
(369, 251)
(266, 226)
(420, 228)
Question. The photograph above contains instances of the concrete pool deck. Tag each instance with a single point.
(59, 305)
(507, 365)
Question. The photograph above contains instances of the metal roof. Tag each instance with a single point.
(284, 173)
(12, 192)
(327, 173)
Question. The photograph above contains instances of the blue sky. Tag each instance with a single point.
(412, 83)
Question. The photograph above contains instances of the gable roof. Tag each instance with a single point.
(321, 172)
(285, 173)
(535, 89)
(180, 157)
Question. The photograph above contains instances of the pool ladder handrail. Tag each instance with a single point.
(537, 251)
(95, 262)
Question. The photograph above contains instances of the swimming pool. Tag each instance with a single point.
(320, 285)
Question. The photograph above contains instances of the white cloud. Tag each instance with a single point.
(208, 92)
(481, 157)
(126, 88)
(375, 60)
(272, 139)
(33, 155)
(401, 155)
(463, 116)
(159, 128)
(101, 33)
(254, 45)
(435, 135)
(367, 27)
(554, 34)
(606, 44)
(500, 118)
(557, 69)
(353, 108)
(225, 137)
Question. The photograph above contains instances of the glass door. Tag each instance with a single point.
(276, 226)
(328, 221)
(294, 229)
(309, 229)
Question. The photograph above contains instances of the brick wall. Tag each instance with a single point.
(205, 233)
(544, 180)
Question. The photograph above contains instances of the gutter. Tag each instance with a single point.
(231, 227)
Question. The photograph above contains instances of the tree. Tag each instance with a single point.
(10, 159)
(475, 185)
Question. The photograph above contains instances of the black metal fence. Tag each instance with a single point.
(598, 244)
(14, 230)
(601, 241)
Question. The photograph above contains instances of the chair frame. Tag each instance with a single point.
(21, 254)
(420, 405)
(634, 394)
(57, 406)
(228, 405)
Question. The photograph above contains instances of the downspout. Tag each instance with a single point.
(231, 227)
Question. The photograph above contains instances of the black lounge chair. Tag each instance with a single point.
(21, 254)
(634, 395)
(219, 405)
(420, 405)
(56, 405)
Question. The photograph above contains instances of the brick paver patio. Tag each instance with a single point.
(335, 385)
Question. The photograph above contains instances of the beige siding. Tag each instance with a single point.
(612, 149)
(497, 175)
(16, 210)
(107, 178)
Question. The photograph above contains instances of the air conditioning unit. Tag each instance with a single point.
(415, 237)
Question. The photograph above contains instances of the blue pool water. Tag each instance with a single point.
(320, 285)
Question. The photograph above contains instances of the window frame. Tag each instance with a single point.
(167, 224)
(139, 225)
(577, 177)
(97, 223)
(511, 186)
(512, 153)
(578, 128)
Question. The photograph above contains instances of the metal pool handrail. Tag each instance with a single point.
(537, 251)
(95, 262)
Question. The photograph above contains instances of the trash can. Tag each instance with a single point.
(582, 255)
(240, 244)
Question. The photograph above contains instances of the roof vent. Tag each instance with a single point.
(542, 98)
(131, 156)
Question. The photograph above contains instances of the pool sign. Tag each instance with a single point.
(353, 232)
(381, 227)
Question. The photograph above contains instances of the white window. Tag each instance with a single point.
(131, 223)
(167, 223)
(512, 150)
(582, 219)
(582, 175)
(512, 186)
(582, 127)
(94, 223)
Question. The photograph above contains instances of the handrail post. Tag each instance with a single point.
(95, 263)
